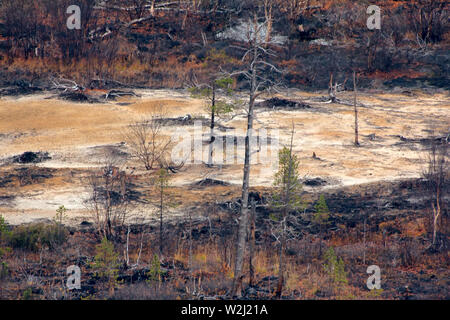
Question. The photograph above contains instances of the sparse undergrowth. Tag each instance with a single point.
(37, 265)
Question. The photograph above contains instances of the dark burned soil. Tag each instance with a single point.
(381, 224)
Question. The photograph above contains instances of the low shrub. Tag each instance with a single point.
(4, 270)
(32, 237)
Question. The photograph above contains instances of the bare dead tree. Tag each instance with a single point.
(428, 19)
(142, 231)
(138, 11)
(436, 175)
(332, 89)
(147, 142)
(109, 196)
(256, 72)
(252, 244)
(131, 9)
(356, 109)
(71, 44)
(268, 9)
(295, 8)
(65, 84)
(20, 19)
(216, 91)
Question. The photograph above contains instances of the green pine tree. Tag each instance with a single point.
(322, 214)
(154, 273)
(161, 182)
(106, 263)
(287, 198)
(61, 215)
(4, 236)
(321, 217)
(335, 269)
(216, 84)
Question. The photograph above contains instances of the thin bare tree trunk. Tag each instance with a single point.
(128, 242)
(211, 134)
(364, 243)
(161, 222)
(268, 13)
(252, 245)
(332, 89)
(436, 214)
(320, 240)
(356, 109)
(191, 272)
(243, 219)
(281, 263)
(140, 249)
(254, 76)
(152, 8)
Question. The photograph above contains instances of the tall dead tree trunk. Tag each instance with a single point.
(281, 259)
(332, 88)
(243, 219)
(252, 244)
(161, 195)
(436, 215)
(211, 134)
(256, 74)
(437, 175)
(356, 109)
(268, 5)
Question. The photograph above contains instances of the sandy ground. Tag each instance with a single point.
(74, 135)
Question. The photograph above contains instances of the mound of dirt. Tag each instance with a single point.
(423, 141)
(114, 94)
(19, 87)
(208, 182)
(278, 103)
(31, 157)
(315, 182)
(76, 96)
(188, 120)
